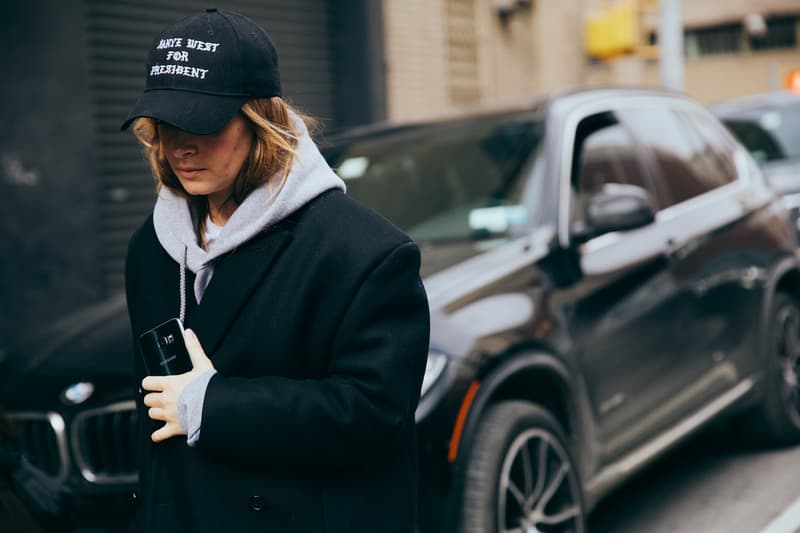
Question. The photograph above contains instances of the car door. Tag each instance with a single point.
(719, 240)
(626, 303)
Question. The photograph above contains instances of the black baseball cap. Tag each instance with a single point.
(202, 69)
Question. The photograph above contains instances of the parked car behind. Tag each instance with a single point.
(768, 125)
(607, 270)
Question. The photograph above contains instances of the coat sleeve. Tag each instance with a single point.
(144, 424)
(361, 407)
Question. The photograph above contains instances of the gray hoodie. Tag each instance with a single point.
(310, 176)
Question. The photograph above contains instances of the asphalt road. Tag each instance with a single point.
(708, 485)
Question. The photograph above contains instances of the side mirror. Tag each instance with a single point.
(616, 207)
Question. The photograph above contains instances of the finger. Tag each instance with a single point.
(152, 400)
(198, 356)
(153, 383)
(156, 413)
(163, 433)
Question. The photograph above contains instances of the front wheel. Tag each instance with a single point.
(777, 420)
(520, 476)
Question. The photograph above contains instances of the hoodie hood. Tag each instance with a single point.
(174, 224)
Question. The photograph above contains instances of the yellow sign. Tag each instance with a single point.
(613, 30)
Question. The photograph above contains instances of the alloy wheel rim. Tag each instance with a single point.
(538, 489)
(788, 352)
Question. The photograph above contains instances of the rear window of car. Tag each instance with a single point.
(769, 134)
(443, 182)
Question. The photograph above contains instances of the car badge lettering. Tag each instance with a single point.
(77, 393)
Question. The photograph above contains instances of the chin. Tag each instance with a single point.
(195, 189)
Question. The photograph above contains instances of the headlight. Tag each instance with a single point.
(433, 369)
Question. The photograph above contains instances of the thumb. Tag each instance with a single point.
(200, 360)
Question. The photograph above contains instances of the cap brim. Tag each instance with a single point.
(196, 113)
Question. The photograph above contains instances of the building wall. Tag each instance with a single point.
(559, 28)
(710, 79)
(416, 81)
(538, 49)
(510, 54)
(443, 55)
(463, 77)
(705, 12)
(715, 77)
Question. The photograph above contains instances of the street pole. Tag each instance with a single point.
(671, 39)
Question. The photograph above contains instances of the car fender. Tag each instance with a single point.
(535, 364)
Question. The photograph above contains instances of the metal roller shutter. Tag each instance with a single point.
(119, 35)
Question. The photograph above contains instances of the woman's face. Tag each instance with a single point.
(207, 164)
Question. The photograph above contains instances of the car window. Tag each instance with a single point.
(451, 182)
(761, 144)
(715, 158)
(769, 134)
(678, 152)
(605, 152)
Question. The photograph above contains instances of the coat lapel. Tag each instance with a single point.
(236, 275)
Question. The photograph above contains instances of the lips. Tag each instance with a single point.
(188, 172)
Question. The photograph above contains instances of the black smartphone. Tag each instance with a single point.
(164, 351)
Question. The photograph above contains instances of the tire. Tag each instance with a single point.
(519, 462)
(776, 422)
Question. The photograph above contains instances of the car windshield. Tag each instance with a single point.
(770, 134)
(447, 184)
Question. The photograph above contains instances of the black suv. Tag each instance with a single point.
(607, 273)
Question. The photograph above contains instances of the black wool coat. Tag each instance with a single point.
(318, 328)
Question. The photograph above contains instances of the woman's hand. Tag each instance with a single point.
(165, 390)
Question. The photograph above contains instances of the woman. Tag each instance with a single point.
(307, 323)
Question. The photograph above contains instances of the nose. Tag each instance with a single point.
(184, 144)
(178, 142)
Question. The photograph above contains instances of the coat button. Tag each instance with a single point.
(257, 503)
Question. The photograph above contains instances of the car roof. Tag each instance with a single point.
(451, 116)
(569, 97)
(581, 95)
(748, 104)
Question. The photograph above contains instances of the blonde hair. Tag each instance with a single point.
(270, 159)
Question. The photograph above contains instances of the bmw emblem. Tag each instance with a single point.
(77, 393)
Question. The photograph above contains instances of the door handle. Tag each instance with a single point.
(673, 250)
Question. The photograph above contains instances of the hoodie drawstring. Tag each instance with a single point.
(182, 313)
